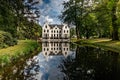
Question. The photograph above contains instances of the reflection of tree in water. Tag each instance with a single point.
(14, 71)
(31, 69)
(72, 46)
(92, 64)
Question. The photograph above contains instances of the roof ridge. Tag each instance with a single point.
(54, 25)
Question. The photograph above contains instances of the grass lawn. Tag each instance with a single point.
(104, 43)
(23, 47)
(74, 39)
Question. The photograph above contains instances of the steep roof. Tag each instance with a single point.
(53, 25)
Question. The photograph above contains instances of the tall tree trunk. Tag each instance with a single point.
(77, 22)
(87, 34)
(77, 31)
(114, 24)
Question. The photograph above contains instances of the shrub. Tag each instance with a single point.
(6, 39)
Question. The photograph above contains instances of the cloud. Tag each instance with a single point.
(50, 10)
(48, 19)
(44, 19)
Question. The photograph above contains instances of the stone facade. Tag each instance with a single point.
(55, 31)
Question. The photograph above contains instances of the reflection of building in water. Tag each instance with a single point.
(55, 49)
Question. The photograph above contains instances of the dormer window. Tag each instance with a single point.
(45, 26)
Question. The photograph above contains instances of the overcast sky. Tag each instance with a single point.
(50, 10)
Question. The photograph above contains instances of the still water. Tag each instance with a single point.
(65, 61)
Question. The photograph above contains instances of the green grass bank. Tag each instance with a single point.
(103, 43)
(7, 55)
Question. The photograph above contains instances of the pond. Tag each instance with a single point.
(65, 61)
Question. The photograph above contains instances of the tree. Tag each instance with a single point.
(104, 22)
(111, 8)
(89, 26)
(71, 13)
(13, 17)
(72, 32)
(29, 30)
(75, 12)
(114, 20)
(7, 18)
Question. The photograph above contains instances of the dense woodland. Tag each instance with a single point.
(18, 20)
(93, 18)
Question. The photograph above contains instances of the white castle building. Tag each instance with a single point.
(55, 32)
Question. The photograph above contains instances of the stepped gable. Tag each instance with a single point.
(53, 25)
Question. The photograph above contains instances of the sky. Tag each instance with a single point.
(50, 10)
